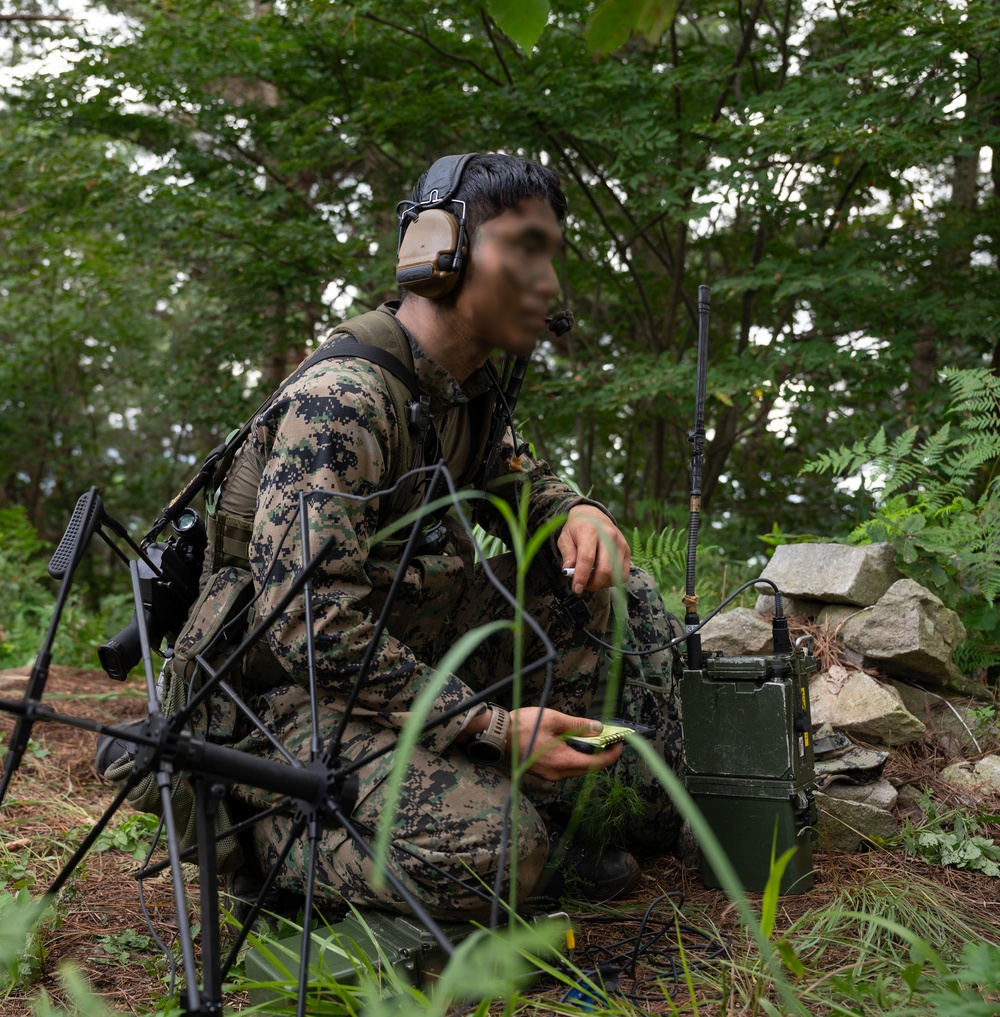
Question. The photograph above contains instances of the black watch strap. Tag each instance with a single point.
(490, 745)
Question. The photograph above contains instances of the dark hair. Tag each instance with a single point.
(492, 182)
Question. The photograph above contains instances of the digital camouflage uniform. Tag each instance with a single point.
(334, 432)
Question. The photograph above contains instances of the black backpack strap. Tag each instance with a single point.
(348, 346)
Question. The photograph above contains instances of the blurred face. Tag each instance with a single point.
(510, 281)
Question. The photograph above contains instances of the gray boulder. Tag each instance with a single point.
(847, 826)
(851, 701)
(880, 794)
(835, 573)
(843, 618)
(951, 721)
(985, 773)
(791, 607)
(736, 633)
(912, 634)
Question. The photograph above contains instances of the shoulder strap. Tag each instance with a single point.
(385, 343)
(348, 346)
(388, 347)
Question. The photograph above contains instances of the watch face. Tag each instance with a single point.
(484, 752)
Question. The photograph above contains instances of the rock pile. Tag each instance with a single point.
(896, 683)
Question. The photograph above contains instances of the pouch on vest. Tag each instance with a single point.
(217, 624)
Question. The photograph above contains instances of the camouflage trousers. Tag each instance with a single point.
(460, 828)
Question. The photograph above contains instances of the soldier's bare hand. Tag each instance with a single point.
(591, 544)
(551, 758)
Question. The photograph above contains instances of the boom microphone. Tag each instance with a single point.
(562, 322)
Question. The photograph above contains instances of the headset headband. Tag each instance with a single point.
(440, 185)
(443, 178)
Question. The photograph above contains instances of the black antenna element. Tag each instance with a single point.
(697, 439)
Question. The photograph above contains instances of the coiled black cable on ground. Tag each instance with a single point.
(653, 959)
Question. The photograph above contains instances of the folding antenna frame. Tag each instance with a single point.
(324, 789)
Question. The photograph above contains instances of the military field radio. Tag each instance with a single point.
(747, 727)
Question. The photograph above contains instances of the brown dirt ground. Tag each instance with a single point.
(56, 796)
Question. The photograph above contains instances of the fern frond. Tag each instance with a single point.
(985, 450)
(971, 657)
(846, 460)
(663, 555)
(897, 475)
(903, 445)
(974, 391)
(879, 444)
(936, 446)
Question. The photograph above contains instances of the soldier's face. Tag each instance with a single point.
(510, 280)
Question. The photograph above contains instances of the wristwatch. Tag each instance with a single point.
(490, 745)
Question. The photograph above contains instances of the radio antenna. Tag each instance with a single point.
(697, 439)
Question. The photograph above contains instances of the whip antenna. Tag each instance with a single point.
(697, 439)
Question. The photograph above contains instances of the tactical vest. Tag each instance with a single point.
(375, 336)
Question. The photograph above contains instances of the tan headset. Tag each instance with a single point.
(433, 243)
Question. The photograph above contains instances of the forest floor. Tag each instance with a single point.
(99, 926)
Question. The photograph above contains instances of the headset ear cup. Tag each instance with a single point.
(431, 254)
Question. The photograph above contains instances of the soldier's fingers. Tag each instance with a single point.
(555, 768)
(567, 547)
(603, 574)
(583, 576)
(578, 763)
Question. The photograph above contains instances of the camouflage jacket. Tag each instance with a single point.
(334, 433)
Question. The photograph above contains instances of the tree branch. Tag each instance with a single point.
(488, 25)
(745, 42)
(7, 19)
(453, 57)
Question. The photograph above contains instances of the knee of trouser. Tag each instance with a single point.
(476, 864)
(526, 852)
(533, 853)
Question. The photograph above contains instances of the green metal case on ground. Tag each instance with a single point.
(749, 762)
(343, 951)
(752, 817)
(370, 941)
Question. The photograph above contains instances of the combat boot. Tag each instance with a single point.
(571, 872)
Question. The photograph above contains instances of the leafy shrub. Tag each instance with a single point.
(30, 596)
(952, 838)
(664, 556)
(133, 834)
(937, 503)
